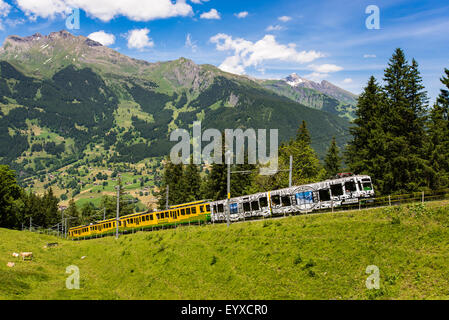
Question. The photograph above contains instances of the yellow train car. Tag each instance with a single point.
(188, 213)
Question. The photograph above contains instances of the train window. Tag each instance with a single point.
(234, 208)
(202, 209)
(263, 202)
(286, 201)
(350, 186)
(360, 186)
(151, 217)
(183, 212)
(188, 211)
(220, 208)
(158, 216)
(325, 195)
(276, 200)
(337, 190)
(367, 186)
(208, 208)
(246, 207)
(194, 210)
(255, 206)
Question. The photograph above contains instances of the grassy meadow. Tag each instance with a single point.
(322, 256)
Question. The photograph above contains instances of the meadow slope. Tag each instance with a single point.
(303, 257)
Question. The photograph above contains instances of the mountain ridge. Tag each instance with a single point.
(70, 114)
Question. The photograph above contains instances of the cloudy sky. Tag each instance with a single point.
(321, 39)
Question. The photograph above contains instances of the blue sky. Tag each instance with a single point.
(321, 39)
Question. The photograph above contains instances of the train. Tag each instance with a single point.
(345, 189)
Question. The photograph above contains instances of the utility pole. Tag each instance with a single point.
(31, 221)
(62, 223)
(291, 172)
(166, 203)
(104, 213)
(118, 211)
(228, 218)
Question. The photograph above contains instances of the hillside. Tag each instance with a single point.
(303, 257)
(72, 110)
(321, 96)
(312, 98)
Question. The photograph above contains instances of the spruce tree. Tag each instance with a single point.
(365, 153)
(403, 123)
(192, 182)
(303, 134)
(439, 138)
(333, 160)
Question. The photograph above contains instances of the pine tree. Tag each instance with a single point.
(192, 182)
(389, 139)
(403, 124)
(216, 183)
(333, 160)
(173, 177)
(365, 153)
(303, 134)
(439, 138)
(9, 191)
(72, 212)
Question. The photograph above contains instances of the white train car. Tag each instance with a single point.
(297, 199)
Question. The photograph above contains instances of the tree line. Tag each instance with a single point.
(397, 138)
(20, 208)
(186, 183)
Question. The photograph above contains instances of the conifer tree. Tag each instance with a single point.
(174, 178)
(303, 134)
(389, 137)
(192, 182)
(364, 154)
(439, 138)
(403, 123)
(333, 160)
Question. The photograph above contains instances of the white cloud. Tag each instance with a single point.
(241, 15)
(107, 10)
(247, 53)
(5, 8)
(274, 28)
(189, 43)
(104, 38)
(139, 39)
(368, 56)
(325, 68)
(284, 18)
(347, 80)
(199, 1)
(212, 14)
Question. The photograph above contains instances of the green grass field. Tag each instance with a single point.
(321, 256)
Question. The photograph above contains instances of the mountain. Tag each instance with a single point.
(322, 96)
(68, 103)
